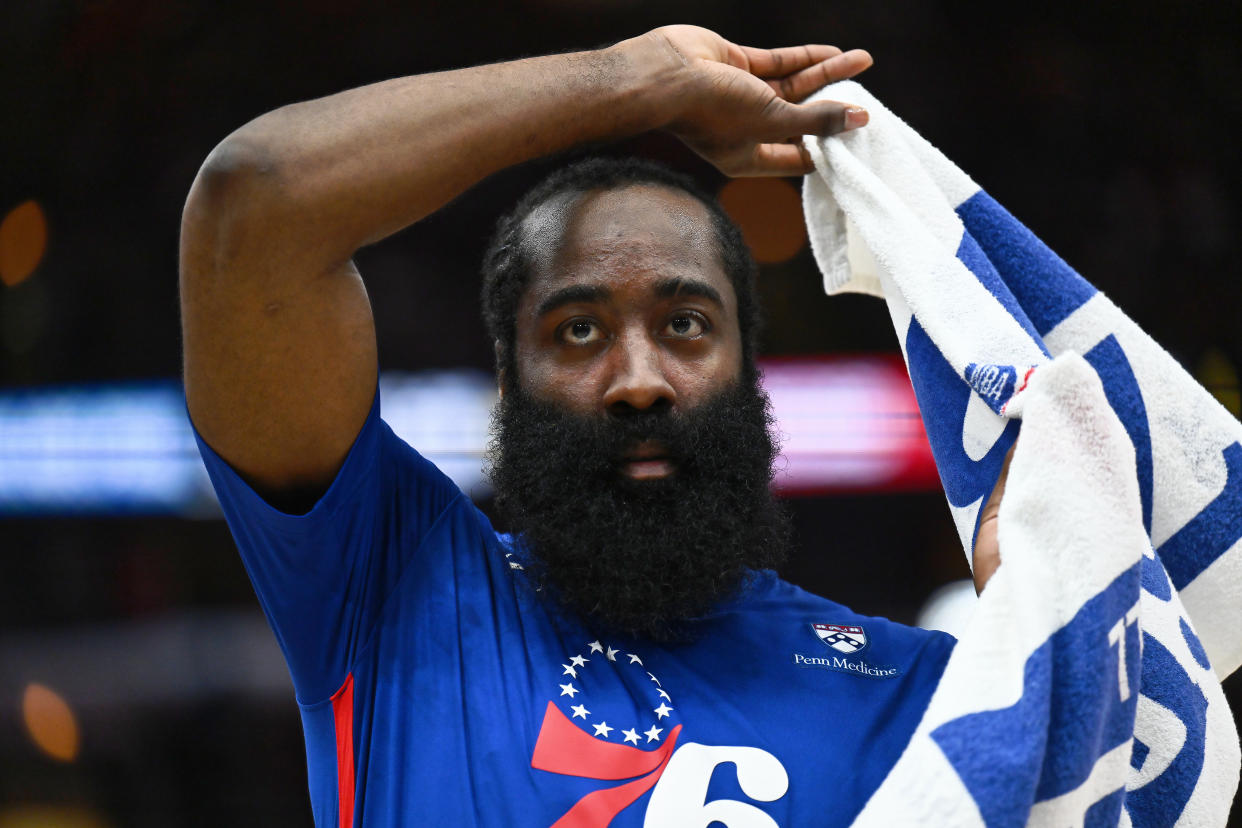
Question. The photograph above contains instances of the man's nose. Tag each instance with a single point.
(638, 381)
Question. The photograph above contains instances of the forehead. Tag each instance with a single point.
(621, 237)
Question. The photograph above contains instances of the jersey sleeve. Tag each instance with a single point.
(322, 578)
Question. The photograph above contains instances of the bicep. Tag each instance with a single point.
(280, 354)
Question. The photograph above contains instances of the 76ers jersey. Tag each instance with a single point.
(436, 687)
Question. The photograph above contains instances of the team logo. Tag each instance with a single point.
(843, 639)
(600, 746)
(603, 685)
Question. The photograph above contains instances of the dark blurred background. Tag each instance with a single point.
(141, 686)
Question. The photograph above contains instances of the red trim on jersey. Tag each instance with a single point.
(343, 714)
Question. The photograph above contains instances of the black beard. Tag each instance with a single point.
(640, 557)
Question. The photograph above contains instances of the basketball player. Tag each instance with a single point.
(626, 656)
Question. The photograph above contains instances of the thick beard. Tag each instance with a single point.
(641, 557)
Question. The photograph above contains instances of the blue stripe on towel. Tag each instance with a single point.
(1212, 532)
(1016, 254)
(942, 398)
(1161, 801)
(1106, 812)
(1123, 393)
(1070, 713)
(1156, 579)
(977, 262)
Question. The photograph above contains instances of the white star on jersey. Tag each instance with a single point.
(586, 678)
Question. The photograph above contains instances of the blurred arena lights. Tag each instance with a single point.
(50, 816)
(50, 722)
(23, 240)
(847, 423)
(1219, 376)
(769, 213)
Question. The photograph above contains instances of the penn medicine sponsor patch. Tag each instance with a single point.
(842, 638)
(847, 640)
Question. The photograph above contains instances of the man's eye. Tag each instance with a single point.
(686, 326)
(581, 332)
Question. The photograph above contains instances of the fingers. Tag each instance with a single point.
(775, 63)
(986, 557)
(779, 160)
(783, 119)
(751, 119)
(799, 85)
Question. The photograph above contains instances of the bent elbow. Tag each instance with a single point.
(232, 199)
(238, 169)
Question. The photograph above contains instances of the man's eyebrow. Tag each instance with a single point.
(668, 288)
(571, 294)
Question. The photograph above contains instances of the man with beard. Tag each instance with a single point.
(642, 549)
(624, 657)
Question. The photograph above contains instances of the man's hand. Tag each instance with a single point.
(987, 545)
(740, 107)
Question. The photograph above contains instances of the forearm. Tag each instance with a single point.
(352, 168)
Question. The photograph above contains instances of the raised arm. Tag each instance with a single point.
(280, 355)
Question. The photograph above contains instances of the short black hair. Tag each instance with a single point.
(508, 261)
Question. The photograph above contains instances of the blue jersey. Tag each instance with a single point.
(437, 687)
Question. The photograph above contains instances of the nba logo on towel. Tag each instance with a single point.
(841, 638)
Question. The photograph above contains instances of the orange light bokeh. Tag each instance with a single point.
(50, 723)
(23, 240)
(50, 816)
(769, 212)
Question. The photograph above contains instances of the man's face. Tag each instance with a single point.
(629, 309)
(632, 451)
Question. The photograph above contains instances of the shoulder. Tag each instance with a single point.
(767, 592)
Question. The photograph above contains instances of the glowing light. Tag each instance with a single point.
(769, 212)
(1219, 376)
(23, 239)
(848, 424)
(50, 816)
(50, 722)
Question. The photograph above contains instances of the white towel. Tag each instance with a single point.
(1083, 691)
